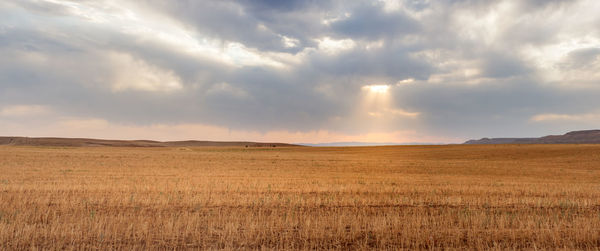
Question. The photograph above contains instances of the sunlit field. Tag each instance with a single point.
(429, 197)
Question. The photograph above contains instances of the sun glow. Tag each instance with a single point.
(377, 88)
(377, 111)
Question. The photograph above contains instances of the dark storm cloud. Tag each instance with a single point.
(474, 68)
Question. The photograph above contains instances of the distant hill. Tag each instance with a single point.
(575, 137)
(81, 142)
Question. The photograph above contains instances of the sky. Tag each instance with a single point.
(310, 71)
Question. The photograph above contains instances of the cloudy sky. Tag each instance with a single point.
(299, 71)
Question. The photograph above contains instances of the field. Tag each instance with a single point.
(412, 197)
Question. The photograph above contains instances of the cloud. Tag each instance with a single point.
(582, 58)
(331, 46)
(23, 110)
(138, 75)
(371, 22)
(100, 128)
(257, 24)
(227, 90)
(501, 65)
(456, 69)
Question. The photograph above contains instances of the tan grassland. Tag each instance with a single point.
(402, 197)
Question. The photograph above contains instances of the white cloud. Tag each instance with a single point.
(289, 42)
(129, 18)
(240, 55)
(333, 46)
(405, 81)
(391, 5)
(136, 74)
(373, 45)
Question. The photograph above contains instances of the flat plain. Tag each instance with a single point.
(397, 197)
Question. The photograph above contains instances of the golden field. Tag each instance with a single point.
(399, 197)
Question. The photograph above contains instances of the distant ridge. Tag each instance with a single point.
(83, 142)
(574, 137)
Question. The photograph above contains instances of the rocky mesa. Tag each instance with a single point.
(574, 137)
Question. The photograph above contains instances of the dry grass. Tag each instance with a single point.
(430, 197)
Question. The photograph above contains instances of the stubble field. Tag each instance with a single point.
(411, 197)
